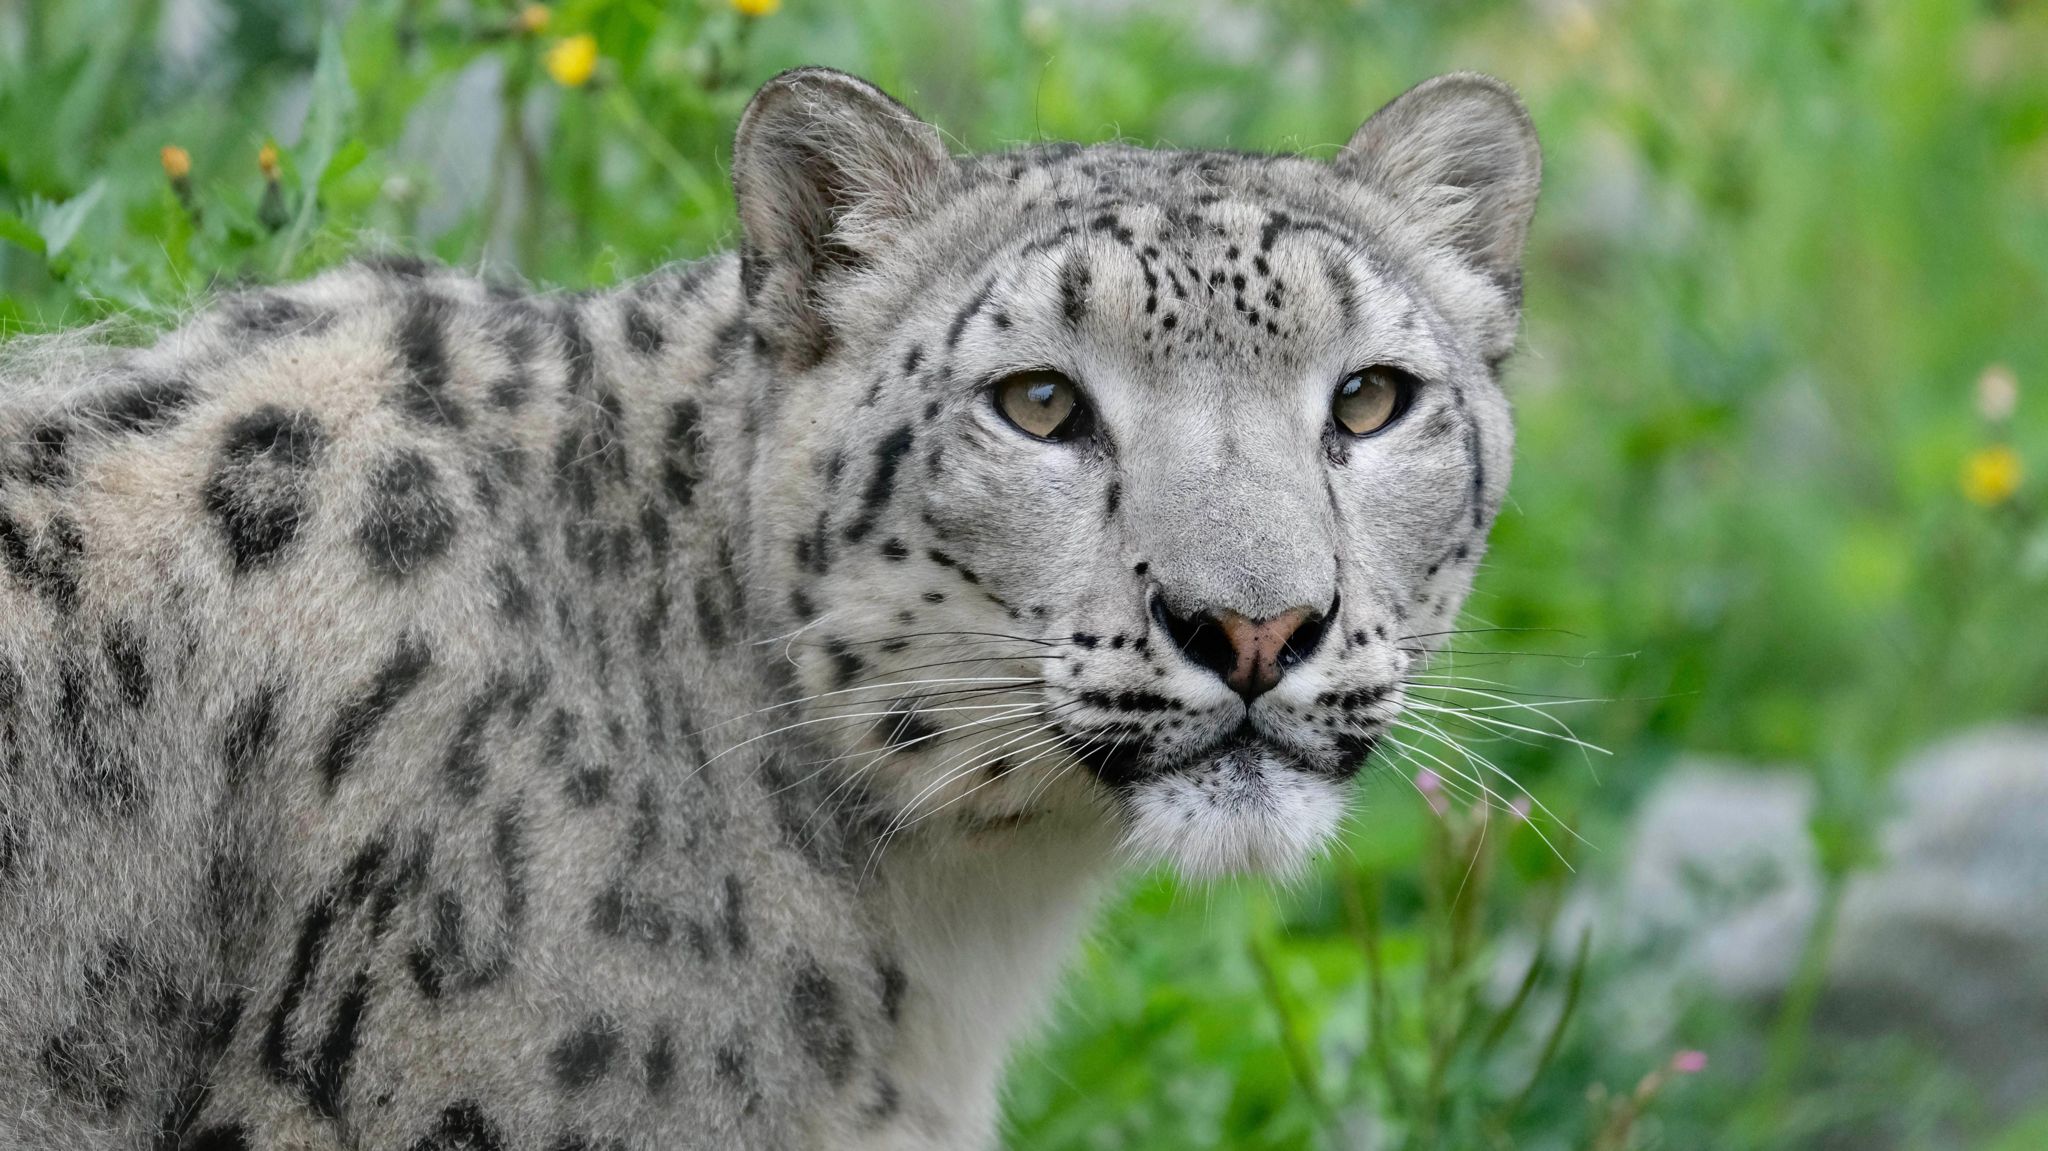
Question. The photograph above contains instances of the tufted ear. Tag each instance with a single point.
(1460, 154)
(827, 167)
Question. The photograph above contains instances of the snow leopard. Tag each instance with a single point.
(703, 712)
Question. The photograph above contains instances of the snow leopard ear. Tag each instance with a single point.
(1459, 154)
(828, 168)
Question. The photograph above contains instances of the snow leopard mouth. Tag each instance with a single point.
(1247, 804)
(1125, 764)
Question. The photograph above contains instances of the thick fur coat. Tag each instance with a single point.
(695, 714)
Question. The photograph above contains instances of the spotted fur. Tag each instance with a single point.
(688, 715)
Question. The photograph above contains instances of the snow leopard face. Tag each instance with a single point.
(1114, 483)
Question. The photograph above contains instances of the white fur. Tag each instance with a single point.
(1247, 813)
(984, 924)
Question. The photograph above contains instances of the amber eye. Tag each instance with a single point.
(1367, 401)
(1043, 403)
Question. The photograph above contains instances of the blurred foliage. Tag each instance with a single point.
(1783, 441)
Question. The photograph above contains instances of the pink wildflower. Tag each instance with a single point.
(1431, 786)
(1689, 1062)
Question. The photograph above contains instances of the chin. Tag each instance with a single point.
(1250, 808)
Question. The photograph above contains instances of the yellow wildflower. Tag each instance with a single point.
(533, 19)
(1991, 475)
(177, 164)
(572, 61)
(757, 7)
(271, 211)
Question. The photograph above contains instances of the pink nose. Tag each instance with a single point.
(1255, 647)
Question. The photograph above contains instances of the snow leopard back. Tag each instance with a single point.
(357, 644)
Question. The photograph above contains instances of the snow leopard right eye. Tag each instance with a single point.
(1371, 399)
(1045, 405)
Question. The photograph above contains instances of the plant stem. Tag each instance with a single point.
(1361, 906)
(685, 174)
(1299, 1059)
(1789, 1031)
(1573, 987)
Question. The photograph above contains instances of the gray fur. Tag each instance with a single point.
(688, 715)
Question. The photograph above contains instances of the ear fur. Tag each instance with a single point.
(1460, 155)
(826, 167)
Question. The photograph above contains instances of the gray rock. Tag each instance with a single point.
(1949, 938)
(1944, 940)
(1719, 882)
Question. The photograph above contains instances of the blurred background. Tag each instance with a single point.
(1764, 630)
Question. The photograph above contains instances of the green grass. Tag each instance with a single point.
(1780, 240)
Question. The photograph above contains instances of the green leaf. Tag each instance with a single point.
(345, 160)
(333, 102)
(59, 224)
(16, 230)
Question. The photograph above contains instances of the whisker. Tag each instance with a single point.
(1575, 660)
(871, 686)
(963, 765)
(987, 636)
(1443, 680)
(972, 768)
(1049, 714)
(925, 696)
(1501, 725)
(944, 737)
(788, 727)
(877, 715)
(855, 772)
(1488, 630)
(1018, 710)
(1493, 796)
(1477, 760)
(1452, 783)
(1477, 715)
